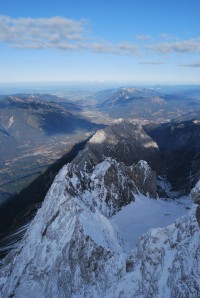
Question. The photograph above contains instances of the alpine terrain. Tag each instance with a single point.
(104, 230)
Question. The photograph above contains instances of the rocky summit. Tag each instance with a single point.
(124, 141)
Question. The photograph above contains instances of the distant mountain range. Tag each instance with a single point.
(150, 104)
(31, 119)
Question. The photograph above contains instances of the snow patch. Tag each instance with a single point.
(10, 122)
(101, 169)
(137, 218)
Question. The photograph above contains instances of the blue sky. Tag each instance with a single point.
(142, 41)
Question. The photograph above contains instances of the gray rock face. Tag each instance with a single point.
(121, 147)
(112, 184)
(124, 141)
(144, 178)
(179, 143)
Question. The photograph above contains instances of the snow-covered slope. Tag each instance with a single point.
(61, 249)
(138, 217)
(71, 245)
(73, 250)
(83, 242)
(165, 263)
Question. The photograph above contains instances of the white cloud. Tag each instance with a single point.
(128, 48)
(102, 47)
(72, 35)
(143, 37)
(55, 32)
(185, 46)
(125, 48)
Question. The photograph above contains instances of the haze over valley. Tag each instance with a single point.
(37, 129)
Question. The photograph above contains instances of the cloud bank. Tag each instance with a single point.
(56, 32)
(72, 35)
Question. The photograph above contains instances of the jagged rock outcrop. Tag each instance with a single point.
(111, 184)
(117, 152)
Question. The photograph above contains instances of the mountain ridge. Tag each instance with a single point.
(73, 249)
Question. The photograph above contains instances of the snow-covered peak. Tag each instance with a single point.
(85, 240)
(111, 184)
(74, 249)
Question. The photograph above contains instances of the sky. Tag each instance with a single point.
(142, 41)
